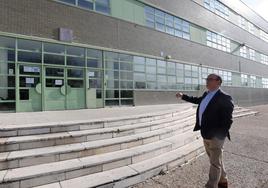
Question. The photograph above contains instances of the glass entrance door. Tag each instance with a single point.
(30, 88)
(64, 88)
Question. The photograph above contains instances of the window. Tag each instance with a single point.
(252, 54)
(264, 59)
(217, 7)
(242, 22)
(265, 82)
(88, 4)
(243, 52)
(252, 82)
(29, 51)
(244, 80)
(167, 23)
(217, 41)
(149, 14)
(264, 35)
(160, 20)
(251, 28)
(102, 6)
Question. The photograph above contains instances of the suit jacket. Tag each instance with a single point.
(217, 117)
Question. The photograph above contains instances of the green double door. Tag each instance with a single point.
(43, 88)
(64, 88)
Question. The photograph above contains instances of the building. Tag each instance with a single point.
(74, 54)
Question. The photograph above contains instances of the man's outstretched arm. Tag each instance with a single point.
(191, 99)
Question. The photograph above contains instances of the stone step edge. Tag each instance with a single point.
(243, 114)
(133, 174)
(103, 120)
(107, 143)
(43, 170)
(82, 127)
(68, 134)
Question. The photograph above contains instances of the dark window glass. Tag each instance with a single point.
(112, 74)
(7, 55)
(126, 66)
(140, 85)
(69, 1)
(76, 61)
(112, 102)
(91, 53)
(29, 57)
(126, 94)
(29, 81)
(29, 45)
(54, 82)
(56, 72)
(24, 94)
(53, 59)
(112, 65)
(7, 81)
(126, 102)
(76, 83)
(29, 70)
(8, 106)
(54, 48)
(95, 84)
(103, 6)
(99, 94)
(85, 4)
(6, 42)
(11, 55)
(74, 73)
(94, 63)
(7, 94)
(71, 50)
(112, 94)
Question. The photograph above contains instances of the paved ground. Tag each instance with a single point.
(246, 159)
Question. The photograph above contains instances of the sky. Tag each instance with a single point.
(260, 6)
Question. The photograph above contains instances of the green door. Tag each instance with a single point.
(64, 88)
(30, 88)
(75, 88)
(54, 92)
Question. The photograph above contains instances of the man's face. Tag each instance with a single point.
(212, 82)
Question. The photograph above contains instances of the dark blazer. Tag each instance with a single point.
(217, 117)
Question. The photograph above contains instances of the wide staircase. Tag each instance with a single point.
(117, 152)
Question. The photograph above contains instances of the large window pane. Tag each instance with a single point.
(103, 6)
(75, 51)
(53, 59)
(29, 45)
(76, 61)
(6, 42)
(54, 48)
(88, 4)
(30, 57)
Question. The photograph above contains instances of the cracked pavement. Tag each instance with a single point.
(245, 159)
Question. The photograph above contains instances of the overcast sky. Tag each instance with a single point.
(260, 6)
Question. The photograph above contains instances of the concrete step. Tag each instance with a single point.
(45, 140)
(62, 170)
(55, 127)
(134, 173)
(22, 158)
(244, 114)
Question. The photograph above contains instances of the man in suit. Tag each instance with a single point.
(213, 119)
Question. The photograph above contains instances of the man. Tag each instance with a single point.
(214, 119)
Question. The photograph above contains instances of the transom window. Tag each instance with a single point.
(217, 7)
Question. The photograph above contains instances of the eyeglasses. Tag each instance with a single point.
(210, 79)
